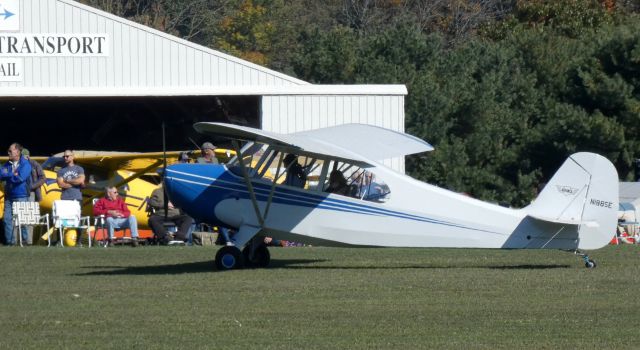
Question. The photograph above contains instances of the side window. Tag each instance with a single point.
(370, 188)
(353, 181)
(296, 170)
(253, 156)
(306, 172)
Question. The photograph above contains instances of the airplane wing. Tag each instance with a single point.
(132, 161)
(353, 142)
(38, 159)
(373, 142)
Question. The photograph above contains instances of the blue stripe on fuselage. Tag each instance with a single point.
(221, 184)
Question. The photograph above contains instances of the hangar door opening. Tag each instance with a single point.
(50, 125)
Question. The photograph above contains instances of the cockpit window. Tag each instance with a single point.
(353, 181)
(306, 172)
(367, 187)
(254, 157)
(295, 170)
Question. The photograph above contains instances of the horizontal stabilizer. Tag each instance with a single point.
(566, 221)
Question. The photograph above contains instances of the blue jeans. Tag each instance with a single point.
(120, 223)
(8, 222)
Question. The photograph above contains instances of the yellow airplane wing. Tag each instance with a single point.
(131, 161)
(134, 161)
(37, 159)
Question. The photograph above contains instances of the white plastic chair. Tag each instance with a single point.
(67, 215)
(28, 214)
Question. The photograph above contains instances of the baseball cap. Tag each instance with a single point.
(208, 145)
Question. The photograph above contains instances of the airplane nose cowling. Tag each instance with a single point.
(191, 188)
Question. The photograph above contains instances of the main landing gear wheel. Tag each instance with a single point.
(261, 256)
(229, 258)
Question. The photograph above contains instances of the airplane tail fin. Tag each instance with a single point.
(584, 193)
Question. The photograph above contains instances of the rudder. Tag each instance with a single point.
(583, 192)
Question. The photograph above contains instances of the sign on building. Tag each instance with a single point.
(11, 69)
(9, 15)
(53, 44)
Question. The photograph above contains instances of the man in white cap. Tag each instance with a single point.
(208, 154)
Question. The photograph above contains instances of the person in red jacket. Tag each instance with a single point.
(117, 214)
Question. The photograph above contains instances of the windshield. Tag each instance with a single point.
(267, 163)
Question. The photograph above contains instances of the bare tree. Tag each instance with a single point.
(184, 18)
(458, 19)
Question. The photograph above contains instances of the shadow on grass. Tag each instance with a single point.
(529, 267)
(293, 264)
(419, 267)
(175, 269)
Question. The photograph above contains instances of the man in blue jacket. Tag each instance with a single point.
(15, 174)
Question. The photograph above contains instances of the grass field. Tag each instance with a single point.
(318, 298)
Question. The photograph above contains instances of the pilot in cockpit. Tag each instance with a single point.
(296, 176)
(337, 183)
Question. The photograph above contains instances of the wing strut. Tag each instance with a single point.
(273, 189)
(248, 233)
(247, 180)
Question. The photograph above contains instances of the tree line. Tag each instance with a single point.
(504, 89)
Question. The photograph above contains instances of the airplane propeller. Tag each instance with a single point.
(164, 172)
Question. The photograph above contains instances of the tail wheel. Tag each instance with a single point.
(229, 258)
(590, 264)
(261, 256)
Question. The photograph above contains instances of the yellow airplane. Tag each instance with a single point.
(134, 174)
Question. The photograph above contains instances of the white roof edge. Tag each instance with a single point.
(391, 90)
(182, 41)
(356, 89)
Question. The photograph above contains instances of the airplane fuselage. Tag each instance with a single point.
(416, 214)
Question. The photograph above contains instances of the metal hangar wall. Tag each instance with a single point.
(72, 76)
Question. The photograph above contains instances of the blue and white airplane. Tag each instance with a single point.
(343, 196)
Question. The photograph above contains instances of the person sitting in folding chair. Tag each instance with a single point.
(117, 214)
(157, 219)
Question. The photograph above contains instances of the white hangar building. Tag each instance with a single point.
(72, 76)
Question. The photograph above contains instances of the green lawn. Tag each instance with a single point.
(318, 298)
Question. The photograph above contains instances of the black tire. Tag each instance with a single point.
(229, 258)
(261, 257)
